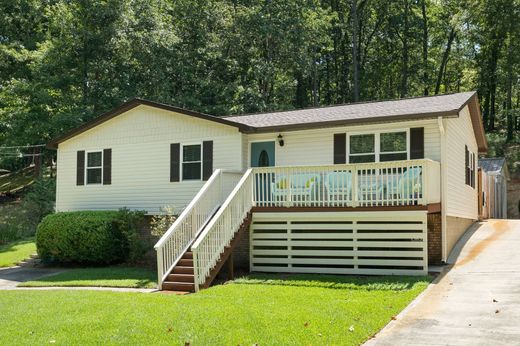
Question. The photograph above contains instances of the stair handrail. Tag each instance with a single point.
(181, 233)
(220, 230)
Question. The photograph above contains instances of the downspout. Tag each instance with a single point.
(444, 171)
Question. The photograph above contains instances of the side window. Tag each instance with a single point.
(191, 162)
(94, 169)
(470, 167)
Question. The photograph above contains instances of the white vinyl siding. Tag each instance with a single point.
(462, 199)
(315, 147)
(140, 140)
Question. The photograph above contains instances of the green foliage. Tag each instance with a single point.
(90, 237)
(129, 223)
(14, 222)
(39, 200)
(18, 219)
(161, 222)
(77, 59)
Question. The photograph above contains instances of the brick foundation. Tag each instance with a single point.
(434, 224)
(241, 254)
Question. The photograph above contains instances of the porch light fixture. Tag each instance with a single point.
(280, 140)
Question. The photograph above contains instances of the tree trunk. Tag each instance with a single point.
(493, 82)
(405, 52)
(425, 48)
(355, 52)
(444, 60)
(509, 86)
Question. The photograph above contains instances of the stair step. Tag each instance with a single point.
(188, 255)
(182, 270)
(178, 286)
(185, 262)
(181, 278)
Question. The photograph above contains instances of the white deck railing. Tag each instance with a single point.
(180, 235)
(395, 183)
(221, 229)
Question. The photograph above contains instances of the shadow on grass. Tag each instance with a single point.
(11, 247)
(137, 274)
(369, 283)
(114, 276)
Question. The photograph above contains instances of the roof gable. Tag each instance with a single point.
(125, 107)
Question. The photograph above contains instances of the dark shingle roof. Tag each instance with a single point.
(411, 108)
(495, 164)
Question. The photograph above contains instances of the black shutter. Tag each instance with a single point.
(107, 166)
(340, 148)
(466, 163)
(80, 168)
(175, 162)
(207, 159)
(473, 170)
(417, 143)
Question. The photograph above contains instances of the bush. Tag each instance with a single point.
(90, 237)
(39, 200)
(162, 222)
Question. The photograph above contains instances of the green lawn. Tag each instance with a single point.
(264, 310)
(99, 277)
(17, 251)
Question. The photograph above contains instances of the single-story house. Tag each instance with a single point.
(494, 176)
(364, 188)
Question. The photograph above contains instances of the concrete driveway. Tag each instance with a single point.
(476, 302)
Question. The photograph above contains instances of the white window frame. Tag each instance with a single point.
(407, 132)
(182, 160)
(377, 143)
(96, 167)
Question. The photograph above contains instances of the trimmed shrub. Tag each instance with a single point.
(89, 237)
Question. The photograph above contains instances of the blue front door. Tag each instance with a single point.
(262, 154)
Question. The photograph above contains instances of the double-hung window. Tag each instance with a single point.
(378, 147)
(94, 169)
(362, 148)
(392, 146)
(192, 162)
(470, 167)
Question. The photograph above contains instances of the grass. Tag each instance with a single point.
(99, 277)
(12, 253)
(264, 310)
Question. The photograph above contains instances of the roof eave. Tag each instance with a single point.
(335, 123)
(476, 121)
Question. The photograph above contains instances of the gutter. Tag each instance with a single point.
(444, 184)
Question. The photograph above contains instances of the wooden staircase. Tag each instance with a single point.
(182, 279)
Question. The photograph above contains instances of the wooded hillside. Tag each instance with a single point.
(64, 62)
